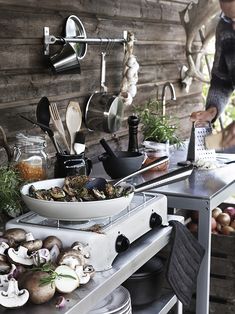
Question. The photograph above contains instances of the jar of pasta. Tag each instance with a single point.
(30, 158)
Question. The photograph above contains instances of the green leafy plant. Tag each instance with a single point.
(155, 127)
(10, 199)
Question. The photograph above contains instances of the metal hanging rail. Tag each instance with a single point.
(51, 40)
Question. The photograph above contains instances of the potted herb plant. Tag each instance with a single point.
(159, 132)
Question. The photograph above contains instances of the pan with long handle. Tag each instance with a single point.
(104, 111)
(75, 211)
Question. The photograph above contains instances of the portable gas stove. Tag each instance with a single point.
(106, 237)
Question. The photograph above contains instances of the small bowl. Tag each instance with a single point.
(124, 164)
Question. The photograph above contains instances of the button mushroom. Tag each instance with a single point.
(82, 248)
(31, 244)
(16, 234)
(50, 241)
(71, 258)
(20, 256)
(13, 297)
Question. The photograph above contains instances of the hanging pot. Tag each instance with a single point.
(103, 111)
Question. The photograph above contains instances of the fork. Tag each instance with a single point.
(56, 119)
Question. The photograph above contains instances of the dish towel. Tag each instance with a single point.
(184, 262)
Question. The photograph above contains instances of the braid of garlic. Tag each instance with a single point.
(130, 72)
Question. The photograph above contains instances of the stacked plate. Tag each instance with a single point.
(117, 302)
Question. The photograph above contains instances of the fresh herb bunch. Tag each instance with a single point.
(10, 199)
(155, 127)
(49, 269)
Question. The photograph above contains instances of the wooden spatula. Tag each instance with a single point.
(73, 120)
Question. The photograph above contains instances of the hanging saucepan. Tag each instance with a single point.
(103, 111)
(93, 209)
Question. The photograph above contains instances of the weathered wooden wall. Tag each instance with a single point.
(25, 76)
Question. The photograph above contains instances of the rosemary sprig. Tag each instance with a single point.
(52, 274)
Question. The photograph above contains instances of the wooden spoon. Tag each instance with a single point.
(73, 118)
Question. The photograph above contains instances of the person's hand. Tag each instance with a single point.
(207, 115)
(228, 139)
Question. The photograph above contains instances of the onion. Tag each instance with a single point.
(67, 280)
(224, 219)
(233, 224)
(60, 302)
(227, 230)
(193, 227)
(218, 227)
(213, 224)
(216, 211)
(194, 215)
(231, 211)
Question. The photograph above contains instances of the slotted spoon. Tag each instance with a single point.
(73, 120)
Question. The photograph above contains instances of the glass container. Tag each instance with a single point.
(30, 158)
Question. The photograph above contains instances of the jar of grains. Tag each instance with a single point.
(30, 158)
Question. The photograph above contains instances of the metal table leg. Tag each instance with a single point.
(179, 308)
(203, 281)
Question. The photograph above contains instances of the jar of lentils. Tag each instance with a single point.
(30, 158)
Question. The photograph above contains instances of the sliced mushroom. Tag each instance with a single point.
(13, 297)
(82, 248)
(41, 256)
(31, 244)
(89, 269)
(71, 258)
(83, 277)
(4, 278)
(3, 247)
(54, 253)
(50, 241)
(17, 234)
(20, 256)
(3, 257)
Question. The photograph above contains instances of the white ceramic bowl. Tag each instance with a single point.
(72, 210)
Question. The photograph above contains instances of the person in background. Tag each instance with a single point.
(223, 73)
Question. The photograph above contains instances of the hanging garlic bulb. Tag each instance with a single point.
(128, 88)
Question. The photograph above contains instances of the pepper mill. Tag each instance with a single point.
(133, 122)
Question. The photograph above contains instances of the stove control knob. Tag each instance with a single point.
(155, 220)
(122, 243)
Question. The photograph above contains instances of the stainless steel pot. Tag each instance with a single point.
(104, 112)
(145, 285)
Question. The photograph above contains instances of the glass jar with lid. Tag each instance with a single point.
(30, 158)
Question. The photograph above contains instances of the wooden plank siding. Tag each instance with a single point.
(25, 75)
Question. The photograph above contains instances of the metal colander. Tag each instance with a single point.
(197, 148)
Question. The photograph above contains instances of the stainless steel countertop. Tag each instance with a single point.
(202, 184)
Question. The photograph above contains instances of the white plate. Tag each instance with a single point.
(117, 301)
(72, 211)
